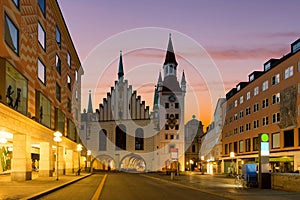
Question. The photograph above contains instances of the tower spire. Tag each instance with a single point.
(120, 70)
(170, 55)
(90, 107)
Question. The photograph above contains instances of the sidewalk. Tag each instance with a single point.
(223, 186)
(35, 187)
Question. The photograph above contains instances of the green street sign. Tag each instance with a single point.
(264, 137)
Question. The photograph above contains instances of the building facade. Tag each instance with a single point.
(269, 102)
(123, 135)
(193, 133)
(211, 148)
(39, 91)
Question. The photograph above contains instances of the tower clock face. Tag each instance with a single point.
(172, 98)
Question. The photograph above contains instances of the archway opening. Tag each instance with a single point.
(103, 163)
(133, 163)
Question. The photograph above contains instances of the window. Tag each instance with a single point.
(71, 130)
(255, 144)
(248, 111)
(235, 116)
(298, 88)
(248, 145)
(299, 111)
(166, 105)
(16, 2)
(256, 91)
(58, 64)
(167, 116)
(121, 137)
(41, 72)
(241, 99)
(69, 105)
(177, 137)
(289, 138)
(176, 105)
(11, 34)
(288, 72)
(166, 127)
(256, 107)
(256, 124)
(275, 79)
(58, 92)
(68, 59)
(265, 121)
(76, 75)
(172, 137)
(248, 126)
(235, 147)
(69, 82)
(139, 139)
(265, 103)
(275, 140)
(265, 85)
(241, 114)
(176, 116)
(103, 140)
(241, 145)
(235, 103)
(166, 136)
(235, 131)
(276, 98)
(58, 37)
(276, 118)
(59, 121)
(16, 87)
(43, 109)
(176, 127)
(76, 95)
(193, 148)
(226, 148)
(241, 129)
(41, 36)
(230, 147)
(248, 95)
(42, 5)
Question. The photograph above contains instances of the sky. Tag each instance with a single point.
(217, 43)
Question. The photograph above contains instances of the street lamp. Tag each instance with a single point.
(191, 162)
(79, 149)
(57, 138)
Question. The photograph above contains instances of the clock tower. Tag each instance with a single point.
(169, 103)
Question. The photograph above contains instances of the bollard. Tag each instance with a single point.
(172, 175)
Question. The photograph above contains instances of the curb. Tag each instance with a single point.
(45, 192)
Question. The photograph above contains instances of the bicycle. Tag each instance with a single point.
(240, 182)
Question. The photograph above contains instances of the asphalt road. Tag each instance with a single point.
(133, 186)
(81, 190)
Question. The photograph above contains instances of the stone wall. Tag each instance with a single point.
(286, 181)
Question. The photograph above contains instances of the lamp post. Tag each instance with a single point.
(79, 149)
(57, 138)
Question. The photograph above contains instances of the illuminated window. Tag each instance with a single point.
(275, 79)
(265, 85)
(43, 109)
(288, 72)
(256, 91)
(241, 146)
(248, 95)
(275, 140)
(255, 144)
(276, 98)
(241, 99)
(248, 145)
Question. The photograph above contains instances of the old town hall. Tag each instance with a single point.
(123, 134)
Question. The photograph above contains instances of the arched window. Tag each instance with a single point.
(193, 148)
(102, 140)
(121, 137)
(139, 139)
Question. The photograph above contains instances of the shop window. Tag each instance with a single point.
(248, 145)
(16, 87)
(58, 37)
(275, 140)
(58, 92)
(235, 147)
(41, 72)
(289, 138)
(11, 34)
(139, 139)
(59, 121)
(42, 5)
(103, 140)
(43, 109)
(58, 64)
(41, 36)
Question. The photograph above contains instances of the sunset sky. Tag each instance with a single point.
(217, 43)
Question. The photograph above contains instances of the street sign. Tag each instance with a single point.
(174, 154)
